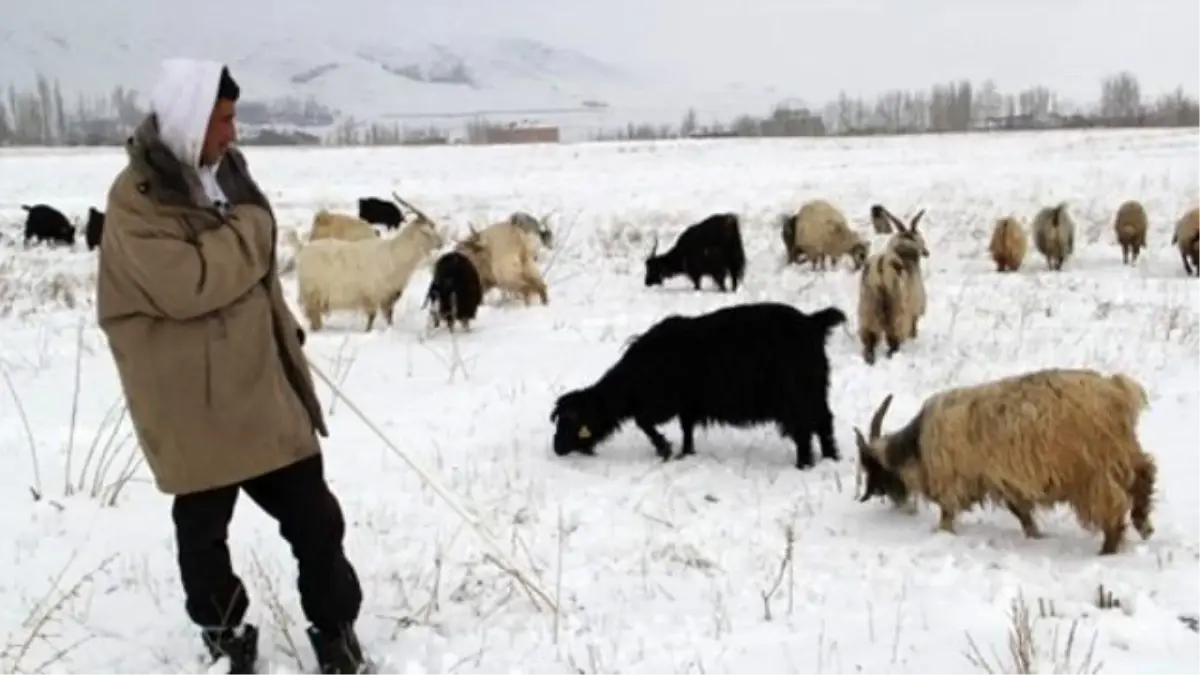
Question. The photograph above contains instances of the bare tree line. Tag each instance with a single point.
(40, 116)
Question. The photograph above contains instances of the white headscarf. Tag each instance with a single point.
(183, 98)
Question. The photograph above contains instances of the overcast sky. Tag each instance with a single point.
(823, 46)
(807, 48)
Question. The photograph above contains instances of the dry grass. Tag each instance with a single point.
(1025, 654)
(112, 456)
(31, 284)
(41, 625)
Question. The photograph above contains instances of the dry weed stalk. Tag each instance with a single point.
(43, 613)
(1025, 657)
(562, 545)
(455, 363)
(280, 616)
(787, 566)
(36, 489)
(96, 476)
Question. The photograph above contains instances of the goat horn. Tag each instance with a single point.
(877, 419)
(896, 222)
(916, 219)
(408, 205)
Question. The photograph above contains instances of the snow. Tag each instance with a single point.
(663, 567)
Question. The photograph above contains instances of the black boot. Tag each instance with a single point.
(239, 644)
(338, 652)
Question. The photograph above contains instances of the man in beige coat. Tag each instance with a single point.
(211, 363)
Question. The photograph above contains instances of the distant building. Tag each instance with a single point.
(524, 134)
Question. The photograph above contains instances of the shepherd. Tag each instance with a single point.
(212, 366)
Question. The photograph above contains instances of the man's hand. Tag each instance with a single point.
(257, 222)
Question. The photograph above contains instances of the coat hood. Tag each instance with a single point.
(182, 99)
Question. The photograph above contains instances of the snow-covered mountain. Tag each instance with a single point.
(368, 59)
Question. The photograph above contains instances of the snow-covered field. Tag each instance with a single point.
(658, 568)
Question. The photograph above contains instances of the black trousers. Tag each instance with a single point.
(310, 520)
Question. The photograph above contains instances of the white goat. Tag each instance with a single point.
(368, 275)
(329, 225)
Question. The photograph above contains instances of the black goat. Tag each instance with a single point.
(47, 224)
(739, 366)
(712, 247)
(455, 291)
(95, 228)
(380, 212)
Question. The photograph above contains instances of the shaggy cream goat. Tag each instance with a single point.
(888, 305)
(1054, 235)
(1130, 225)
(909, 244)
(817, 231)
(1187, 240)
(368, 275)
(1008, 245)
(511, 252)
(329, 225)
(1038, 439)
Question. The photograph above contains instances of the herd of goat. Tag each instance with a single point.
(1025, 441)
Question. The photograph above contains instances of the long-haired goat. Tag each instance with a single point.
(710, 248)
(909, 244)
(46, 224)
(1037, 439)
(1054, 235)
(740, 366)
(818, 230)
(511, 260)
(888, 304)
(455, 291)
(909, 236)
(1187, 240)
(329, 225)
(1008, 245)
(368, 274)
(380, 212)
(1130, 225)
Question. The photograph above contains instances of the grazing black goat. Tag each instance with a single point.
(47, 224)
(380, 212)
(455, 291)
(712, 248)
(95, 228)
(739, 366)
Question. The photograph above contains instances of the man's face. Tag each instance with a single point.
(221, 132)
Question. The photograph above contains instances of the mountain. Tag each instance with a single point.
(392, 61)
